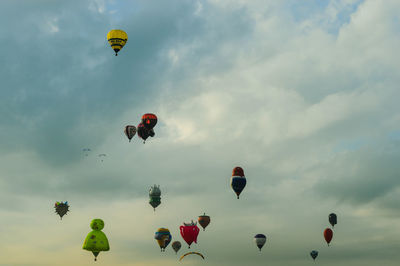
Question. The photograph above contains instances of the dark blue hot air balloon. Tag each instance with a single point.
(260, 240)
(332, 219)
(314, 254)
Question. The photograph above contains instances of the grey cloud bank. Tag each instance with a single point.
(305, 102)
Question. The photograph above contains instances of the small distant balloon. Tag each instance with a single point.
(314, 254)
(155, 196)
(332, 219)
(176, 246)
(260, 240)
(204, 221)
(61, 208)
(130, 131)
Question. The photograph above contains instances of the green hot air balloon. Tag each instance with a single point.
(155, 196)
(96, 240)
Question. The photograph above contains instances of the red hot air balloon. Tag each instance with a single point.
(149, 120)
(143, 132)
(189, 232)
(328, 234)
(238, 171)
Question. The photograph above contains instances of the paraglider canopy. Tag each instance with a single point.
(102, 155)
(196, 253)
(117, 39)
(86, 151)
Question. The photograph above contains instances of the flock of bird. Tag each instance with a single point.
(96, 241)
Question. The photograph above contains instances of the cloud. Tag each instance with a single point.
(307, 105)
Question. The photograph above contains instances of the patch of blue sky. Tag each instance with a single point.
(121, 10)
(394, 135)
(317, 11)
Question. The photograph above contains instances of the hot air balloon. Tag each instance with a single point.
(102, 155)
(176, 245)
(204, 220)
(143, 132)
(61, 208)
(238, 180)
(328, 234)
(314, 254)
(96, 241)
(196, 253)
(260, 240)
(163, 237)
(117, 39)
(189, 232)
(155, 196)
(149, 121)
(332, 219)
(130, 131)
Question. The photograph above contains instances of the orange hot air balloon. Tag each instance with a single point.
(328, 235)
(204, 220)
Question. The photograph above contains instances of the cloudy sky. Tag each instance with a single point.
(302, 94)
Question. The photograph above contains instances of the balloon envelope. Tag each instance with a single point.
(314, 254)
(163, 237)
(149, 121)
(96, 240)
(204, 221)
(130, 132)
(176, 246)
(117, 39)
(61, 208)
(189, 232)
(332, 219)
(260, 240)
(328, 235)
(143, 132)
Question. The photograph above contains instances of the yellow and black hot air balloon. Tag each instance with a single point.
(117, 39)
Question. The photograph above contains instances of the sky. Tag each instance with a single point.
(302, 94)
